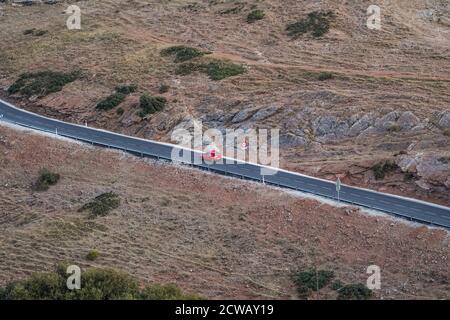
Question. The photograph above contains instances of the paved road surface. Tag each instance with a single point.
(407, 208)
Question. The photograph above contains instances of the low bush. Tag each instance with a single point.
(182, 53)
(42, 83)
(216, 69)
(317, 23)
(354, 292)
(163, 88)
(126, 88)
(255, 15)
(336, 285)
(409, 176)
(35, 32)
(394, 128)
(92, 255)
(447, 132)
(111, 101)
(96, 284)
(166, 292)
(325, 76)
(120, 111)
(45, 180)
(102, 204)
(445, 160)
(312, 280)
(150, 104)
(381, 169)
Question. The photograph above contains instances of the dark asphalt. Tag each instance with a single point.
(402, 207)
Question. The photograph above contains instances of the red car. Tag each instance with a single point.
(212, 155)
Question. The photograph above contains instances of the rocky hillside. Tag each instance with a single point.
(347, 99)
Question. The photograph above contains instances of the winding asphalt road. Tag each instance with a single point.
(411, 209)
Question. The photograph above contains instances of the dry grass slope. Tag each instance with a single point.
(172, 227)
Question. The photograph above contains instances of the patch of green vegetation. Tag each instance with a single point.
(150, 104)
(336, 285)
(409, 176)
(312, 280)
(381, 169)
(447, 132)
(42, 83)
(92, 255)
(394, 128)
(120, 111)
(354, 292)
(317, 23)
(102, 204)
(111, 101)
(96, 284)
(444, 160)
(166, 292)
(325, 76)
(183, 53)
(45, 180)
(255, 15)
(126, 88)
(163, 88)
(216, 69)
(35, 32)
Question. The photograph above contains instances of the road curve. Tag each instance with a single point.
(407, 208)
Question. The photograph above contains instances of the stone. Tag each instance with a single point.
(360, 125)
(264, 113)
(444, 121)
(243, 115)
(407, 120)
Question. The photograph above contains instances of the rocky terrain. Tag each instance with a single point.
(344, 102)
(171, 226)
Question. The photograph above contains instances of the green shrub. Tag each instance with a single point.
(444, 160)
(35, 32)
(166, 292)
(255, 15)
(317, 23)
(182, 53)
(45, 180)
(447, 132)
(216, 69)
(126, 88)
(111, 101)
(102, 204)
(312, 280)
(96, 284)
(409, 176)
(382, 168)
(92, 255)
(325, 76)
(28, 31)
(336, 285)
(150, 104)
(394, 128)
(354, 292)
(163, 88)
(120, 111)
(42, 83)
